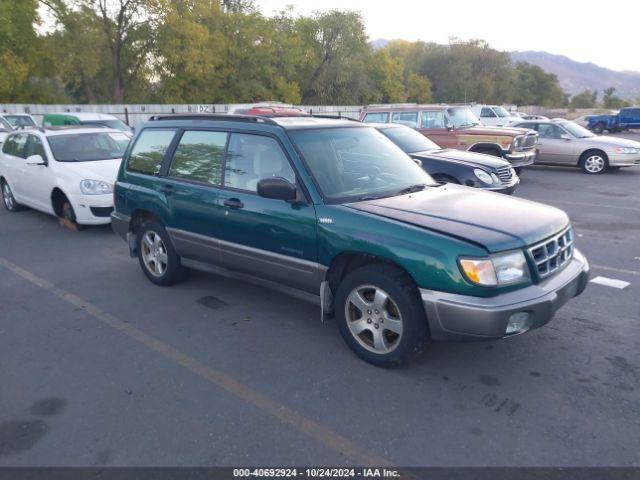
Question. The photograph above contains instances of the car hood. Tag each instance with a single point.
(485, 130)
(495, 221)
(606, 141)
(461, 156)
(104, 170)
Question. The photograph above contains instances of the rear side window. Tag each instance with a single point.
(15, 145)
(487, 113)
(432, 119)
(199, 157)
(409, 119)
(379, 117)
(9, 146)
(251, 158)
(148, 152)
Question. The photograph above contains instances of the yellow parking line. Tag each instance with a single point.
(286, 415)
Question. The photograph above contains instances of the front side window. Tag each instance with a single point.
(378, 117)
(432, 119)
(199, 157)
(15, 145)
(548, 130)
(487, 113)
(85, 147)
(250, 158)
(35, 147)
(408, 119)
(148, 152)
(577, 131)
(461, 117)
(357, 163)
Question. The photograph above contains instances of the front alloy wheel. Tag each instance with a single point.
(158, 259)
(594, 163)
(374, 319)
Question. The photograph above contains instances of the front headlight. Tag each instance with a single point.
(517, 142)
(500, 269)
(626, 150)
(483, 176)
(95, 187)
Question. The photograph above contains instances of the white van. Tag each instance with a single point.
(494, 115)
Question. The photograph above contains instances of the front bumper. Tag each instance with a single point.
(521, 159)
(462, 317)
(92, 209)
(623, 159)
(506, 189)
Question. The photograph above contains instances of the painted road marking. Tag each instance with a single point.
(619, 270)
(610, 282)
(286, 415)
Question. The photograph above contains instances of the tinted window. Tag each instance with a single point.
(380, 117)
(409, 119)
(251, 158)
(199, 157)
(433, 119)
(9, 145)
(148, 152)
(86, 147)
(35, 147)
(20, 121)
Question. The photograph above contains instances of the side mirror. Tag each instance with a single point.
(449, 126)
(35, 160)
(564, 136)
(277, 188)
(418, 162)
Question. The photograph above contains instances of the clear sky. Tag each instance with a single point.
(606, 33)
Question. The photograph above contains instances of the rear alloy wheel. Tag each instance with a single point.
(380, 315)
(594, 163)
(8, 198)
(158, 260)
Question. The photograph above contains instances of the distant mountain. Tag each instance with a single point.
(575, 76)
(379, 43)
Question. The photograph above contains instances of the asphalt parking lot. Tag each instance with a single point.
(100, 367)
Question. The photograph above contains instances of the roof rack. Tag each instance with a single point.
(334, 117)
(391, 105)
(214, 116)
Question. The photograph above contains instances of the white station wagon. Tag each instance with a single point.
(66, 171)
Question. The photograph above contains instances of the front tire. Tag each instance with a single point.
(519, 170)
(8, 199)
(380, 315)
(158, 259)
(68, 217)
(594, 162)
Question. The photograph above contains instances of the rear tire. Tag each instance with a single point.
(158, 259)
(380, 315)
(594, 162)
(598, 128)
(8, 199)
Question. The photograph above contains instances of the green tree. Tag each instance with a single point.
(609, 100)
(536, 87)
(585, 99)
(418, 88)
(386, 76)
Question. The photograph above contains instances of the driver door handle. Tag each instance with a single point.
(233, 203)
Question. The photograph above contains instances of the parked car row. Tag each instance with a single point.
(335, 210)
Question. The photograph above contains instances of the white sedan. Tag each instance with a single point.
(68, 172)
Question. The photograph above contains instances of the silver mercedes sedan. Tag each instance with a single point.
(562, 142)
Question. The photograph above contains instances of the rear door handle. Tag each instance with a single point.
(233, 203)
(167, 189)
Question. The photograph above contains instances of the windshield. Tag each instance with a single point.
(20, 121)
(576, 130)
(352, 163)
(462, 117)
(4, 125)
(409, 140)
(88, 147)
(502, 112)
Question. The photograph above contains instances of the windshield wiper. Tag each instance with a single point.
(412, 188)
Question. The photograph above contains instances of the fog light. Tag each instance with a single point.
(518, 323)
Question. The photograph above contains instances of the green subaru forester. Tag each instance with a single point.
(333, 210)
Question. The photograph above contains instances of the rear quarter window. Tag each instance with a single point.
(149, 150)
